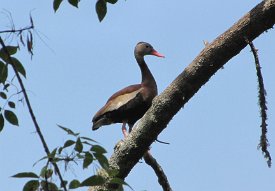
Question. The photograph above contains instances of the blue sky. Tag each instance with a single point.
(81, 62)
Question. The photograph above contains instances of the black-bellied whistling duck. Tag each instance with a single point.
(129, 104)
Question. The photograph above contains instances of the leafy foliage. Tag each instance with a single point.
(31, 185)
(75, 149)
(7, 105)
(79, 149)
(19, 67)
(3, 95)
(100, 7)
(11, 104)
(74, 184)
(69, 131)
(3, 72)
(95, 180)
(11, 117)
(119, 181)
(2, 122)
(68, 143)
(45, 185)
(111, 1)
(56, 4)
(87, 160)
(74, 2)
(25, 175)
(46, 172)
(78, 145)
(10, 51)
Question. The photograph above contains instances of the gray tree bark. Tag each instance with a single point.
(183, 88)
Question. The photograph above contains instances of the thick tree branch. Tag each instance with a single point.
(174, 97)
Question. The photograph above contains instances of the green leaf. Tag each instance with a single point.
(101, 9)
(3, 95)
(3, 72)
(11, 117)
(87, 160)
(78, 146)
(103, 161)
(74, 184)
(69, 131)
(48, 186)
(25, 175)
(49, 173)
(120, 182)
(57, 159)
(11, 104)
(61, 185)
(87, 143)
(45, 172)
(98, 149)
(112, 172)
(111, 1)
(80, 156)
(88, 139)
(56, 4)
(60, 149)
(68, 143)
(2, 122)
(94, 180)
(43, 158)
(19, 67)
(32, 185)
(52, 187)
(74, 3)
(11, 50)
(52, 154)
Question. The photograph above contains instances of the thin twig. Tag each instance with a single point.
(162, 142)
(162, 178)
(32, 115)
(262, 102)
(17, 30)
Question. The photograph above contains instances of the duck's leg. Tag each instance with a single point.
(124, 130)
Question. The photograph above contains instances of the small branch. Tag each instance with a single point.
(32, 115)
(162, 142)
(262, 102)
(17, 30)
(162, 178)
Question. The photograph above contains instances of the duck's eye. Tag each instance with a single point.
(147, 46)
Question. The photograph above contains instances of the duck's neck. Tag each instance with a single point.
(147, 77)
